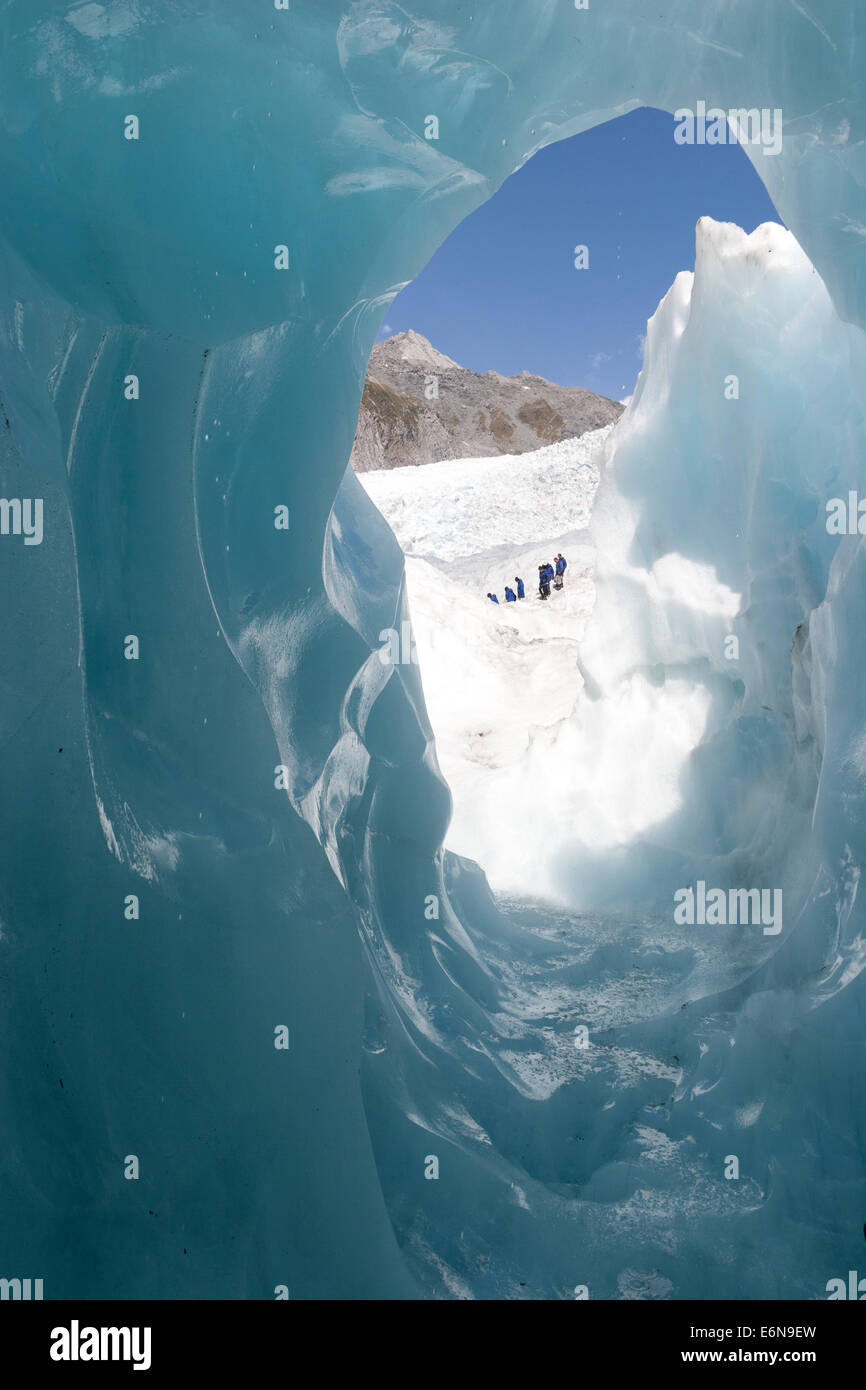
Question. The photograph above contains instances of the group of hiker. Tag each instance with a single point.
(551, 574)
(547, 574)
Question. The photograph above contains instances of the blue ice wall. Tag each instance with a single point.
(410, 1036)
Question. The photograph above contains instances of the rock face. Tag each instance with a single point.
(419, 406)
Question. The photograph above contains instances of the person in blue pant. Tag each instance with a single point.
(493, 598)
(521, 592)
(510, 595)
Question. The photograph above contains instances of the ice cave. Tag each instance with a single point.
(253, 953)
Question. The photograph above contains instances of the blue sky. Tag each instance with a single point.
(502, 292)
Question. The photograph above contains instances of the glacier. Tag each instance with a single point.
(235, 825)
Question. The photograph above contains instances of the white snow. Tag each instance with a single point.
(465, 506)
(536, 766)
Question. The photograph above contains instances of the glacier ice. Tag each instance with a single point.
(312, 907)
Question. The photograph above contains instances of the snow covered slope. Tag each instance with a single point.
(462, 507)
(535, 763)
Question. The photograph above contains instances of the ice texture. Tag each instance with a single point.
(411, 1035)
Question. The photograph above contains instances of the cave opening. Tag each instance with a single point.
(491, 406)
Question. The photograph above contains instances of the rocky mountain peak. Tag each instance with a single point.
(414, 350)
(420, 406)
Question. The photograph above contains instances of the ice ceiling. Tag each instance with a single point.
(306, 898)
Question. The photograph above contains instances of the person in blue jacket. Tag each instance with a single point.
(510, 595)
(521, 592)
(493, 598)
(548, 571)
(543, 582)
(561, 567)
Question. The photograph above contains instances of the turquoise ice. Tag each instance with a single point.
(188, 302)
